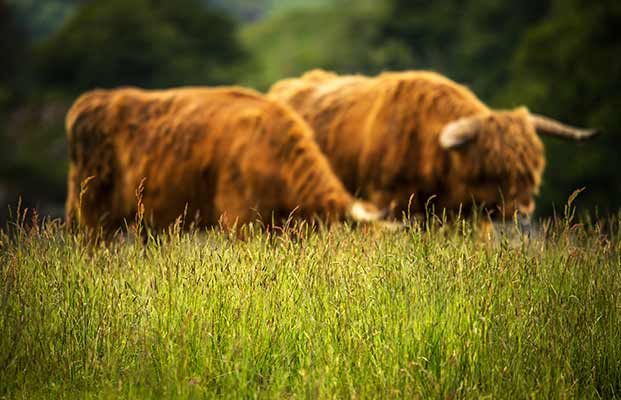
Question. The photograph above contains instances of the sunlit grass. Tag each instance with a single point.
(338, 313)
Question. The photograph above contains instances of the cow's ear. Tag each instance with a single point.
(459, 132)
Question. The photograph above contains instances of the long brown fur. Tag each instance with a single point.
(381, 135)
(211, 155)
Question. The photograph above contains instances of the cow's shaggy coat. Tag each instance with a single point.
(403, 138)
(208, 155)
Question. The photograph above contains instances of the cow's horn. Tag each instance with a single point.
(459, 132)
(549, 126)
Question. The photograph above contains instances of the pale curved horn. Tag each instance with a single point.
(459, 132)
(549, 126)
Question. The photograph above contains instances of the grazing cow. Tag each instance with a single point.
(418, 133)
(211, 155)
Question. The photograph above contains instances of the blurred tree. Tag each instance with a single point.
(342, 38)
(32, 148)
(244, 10)
(41, 17)
(14, 47)
(149, 43)
(471, 42)
(569, 67)
(248, 11)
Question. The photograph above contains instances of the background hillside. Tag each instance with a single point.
(558, 57)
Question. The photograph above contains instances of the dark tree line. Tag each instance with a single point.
(149, 43)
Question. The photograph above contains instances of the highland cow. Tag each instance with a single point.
(405, 138)
(212, 155)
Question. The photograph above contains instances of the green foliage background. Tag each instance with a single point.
(559, 57)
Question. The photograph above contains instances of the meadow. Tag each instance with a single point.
(431, 311)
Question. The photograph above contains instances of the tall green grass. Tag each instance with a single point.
(338, 313)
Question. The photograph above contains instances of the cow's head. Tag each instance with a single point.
(497, 158)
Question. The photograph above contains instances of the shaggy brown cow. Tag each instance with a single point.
(214, 155)
(419, 133)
